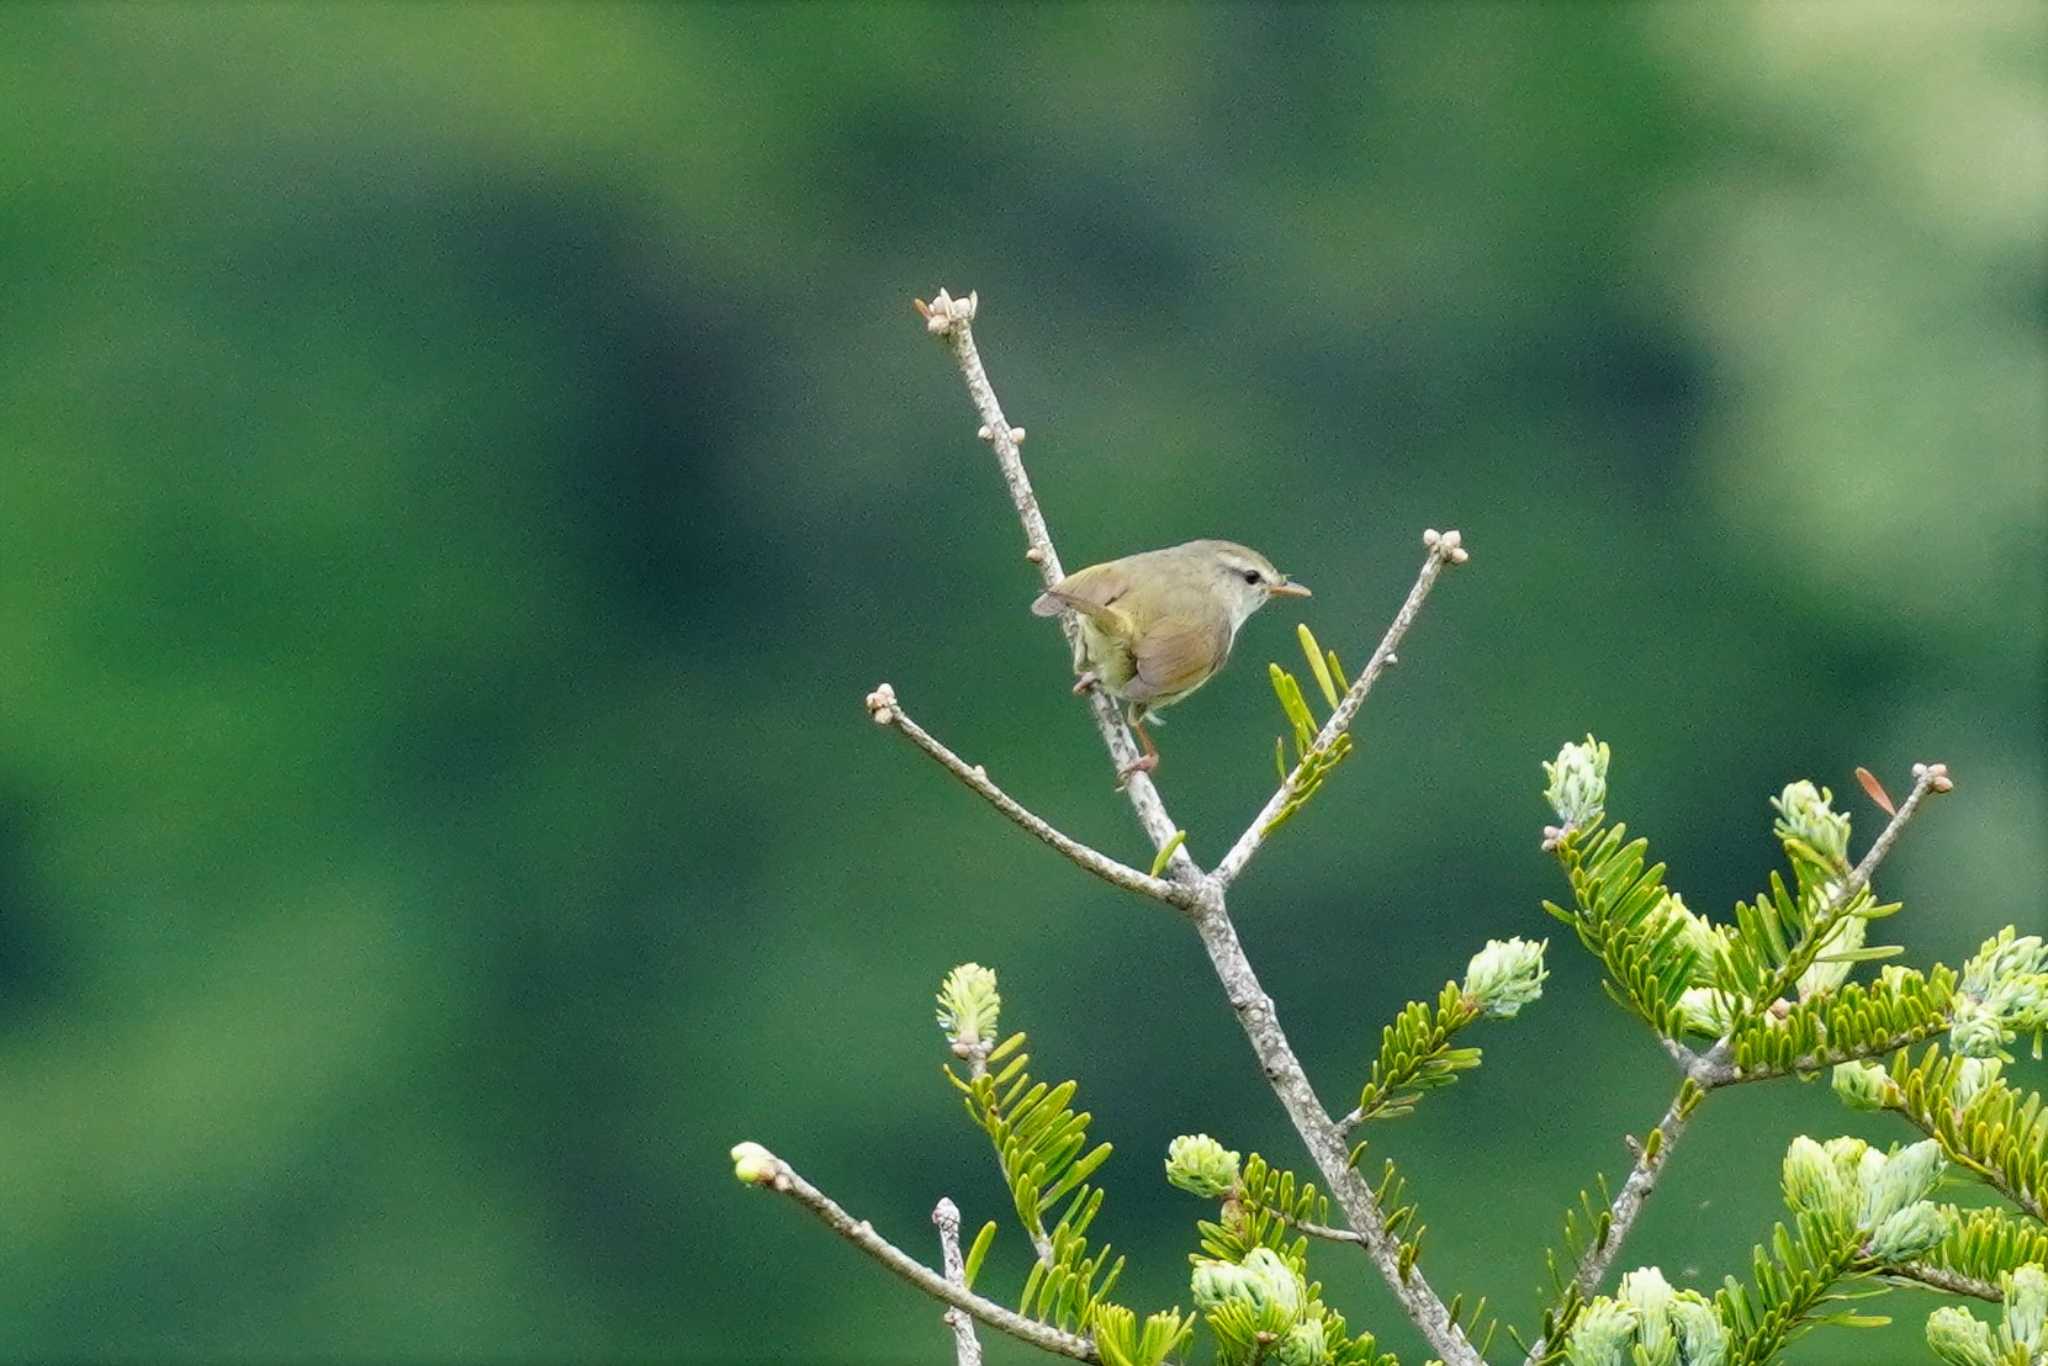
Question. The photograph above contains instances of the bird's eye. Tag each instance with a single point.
(1251, 576)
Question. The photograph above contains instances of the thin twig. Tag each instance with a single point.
(952, 319)
(1443, 549)
(886, 710)
(966, 1347)
(775, 1174)
(1950, 1282)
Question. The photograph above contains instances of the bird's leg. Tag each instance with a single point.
(1085, 682)
(1145, 762)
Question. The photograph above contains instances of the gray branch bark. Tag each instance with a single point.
(952, 319)
(966, 1347)
(862, 1235)
(886, 710)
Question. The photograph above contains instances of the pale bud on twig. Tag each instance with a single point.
(1578, 783)
(1505, 976)
(882, 704)
(1806, 813)
(754, 1164)
(1199, 1165)
(969, 1004)
(1862, 1085)
(2026, 1306)
(1960, 1338)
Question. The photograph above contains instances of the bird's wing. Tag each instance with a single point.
(1091, 592)
(1177, 655)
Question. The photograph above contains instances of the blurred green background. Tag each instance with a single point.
(466, 463)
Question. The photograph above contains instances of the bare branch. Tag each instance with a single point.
(952, 319)
(887, 711)
(765, 1169)
(966, 1347)
(1443, 549)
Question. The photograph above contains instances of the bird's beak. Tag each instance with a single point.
(1290, 590)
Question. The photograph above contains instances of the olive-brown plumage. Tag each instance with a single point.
(1157, 626)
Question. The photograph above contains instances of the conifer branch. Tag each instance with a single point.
(1926, 778)
(1716, 1067)
(1948, 1282)
(966, 1347)
(762, 1168)
(886, 710)
(1605, 1241)
(1714, 1070)
(953, 320)
(1998, 1134)
(1445, 548)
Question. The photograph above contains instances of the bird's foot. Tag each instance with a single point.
(1085, 682)
(1144, 763)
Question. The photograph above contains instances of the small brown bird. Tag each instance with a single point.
(1157, 626)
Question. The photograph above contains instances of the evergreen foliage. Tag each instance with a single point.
(1768, 991)
(1313, 763)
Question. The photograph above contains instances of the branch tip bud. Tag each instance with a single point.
(1505, 976)
(755, 1165)
(969, 1006)
(1578, 784)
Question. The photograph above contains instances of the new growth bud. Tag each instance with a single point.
(1806, 814)
(2004, 993)
(1960, 1339)
(969, 1005)
(1862, 1085)
(1263, 1281)
(1306, 1344)
(1199, 1165)
(1578, 783)
(754, 1164)
(1906, 1176)
(1816, 1183)
(1603, 1336)
(1648, 1321)
(1506, 975)
(1908, 1233)
(2026, 1306)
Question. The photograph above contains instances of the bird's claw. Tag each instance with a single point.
(1144, 763)
(1085, 682)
